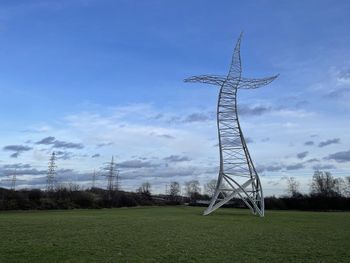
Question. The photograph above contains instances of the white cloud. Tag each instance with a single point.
(136, 137)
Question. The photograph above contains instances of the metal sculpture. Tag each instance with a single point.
(237, 175)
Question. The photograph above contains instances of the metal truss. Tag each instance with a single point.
(51, 173)
(237, 175)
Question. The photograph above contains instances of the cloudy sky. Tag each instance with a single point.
(91, 79)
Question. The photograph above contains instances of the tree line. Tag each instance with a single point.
(326, 193)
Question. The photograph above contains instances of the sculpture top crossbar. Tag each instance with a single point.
(237, 176)
(233, 78)
(243, 83)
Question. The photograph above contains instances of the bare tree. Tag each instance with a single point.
(346, 190)
(210, 187)
(145, 188)
(69, 187)
(193, 190)
(324, 184)
(174, 189)
(344, 186)
(292, 186)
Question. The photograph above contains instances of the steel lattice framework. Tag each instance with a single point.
(113, 183)
(237, 175)
(51, 173)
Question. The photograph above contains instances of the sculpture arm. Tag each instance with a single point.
(246, 83)
(208, 79)
(236, 66)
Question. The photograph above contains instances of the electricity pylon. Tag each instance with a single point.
(93, 184)
(112, 176)
(13, 181)
(237, 175)
(51, 173)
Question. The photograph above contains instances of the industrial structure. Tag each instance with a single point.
(93, 184)
(112, 177)
(237, 175)
(51, 173)
(13, 181)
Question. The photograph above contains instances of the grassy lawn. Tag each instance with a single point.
(173, 234)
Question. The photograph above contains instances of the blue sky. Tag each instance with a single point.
(102, 78)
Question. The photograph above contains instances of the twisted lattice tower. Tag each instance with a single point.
(237, 175)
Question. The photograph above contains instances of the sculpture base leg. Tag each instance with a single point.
(240, 192)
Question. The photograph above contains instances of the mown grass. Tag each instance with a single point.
(173, 234)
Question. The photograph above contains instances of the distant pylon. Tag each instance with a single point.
(111, 175)
(93, 179)
(13, 181)
(51, 173)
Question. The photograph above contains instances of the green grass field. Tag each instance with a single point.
(173, 234)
